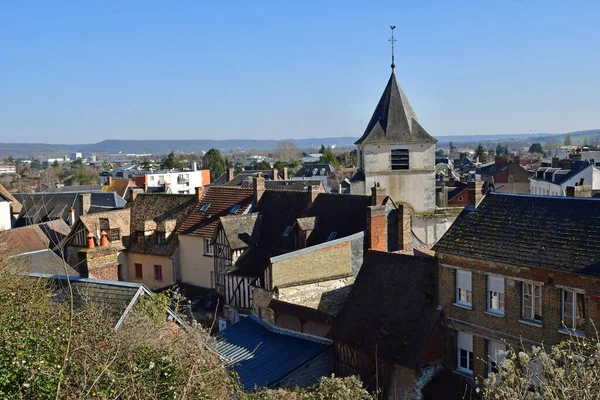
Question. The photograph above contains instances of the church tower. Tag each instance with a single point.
(397, 152)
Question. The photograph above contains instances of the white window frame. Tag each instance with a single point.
(464, 288)
(464, 343)
(571, 326)
(208, 248)
(496, 354)
(536, 294)
(495, 294)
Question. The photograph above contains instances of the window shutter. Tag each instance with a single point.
(495, 284)
(464, 341)
(463, 279)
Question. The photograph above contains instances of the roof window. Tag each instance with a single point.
(332, 236)
(287, 231)
(234, 209)
(204, 207)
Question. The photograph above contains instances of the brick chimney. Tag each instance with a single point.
(566, 163)
(377, 228)
(404, 228)
(517, 160)
(313, 192)
(555, 162)
(104, 239)
(134, 192)
(275, 174)
(378, 194)
(90, 240)
(85, 202)
(475, 193)
(199, 193)
(230, 174)
(258, 185)
(109, 180)
(285, 173)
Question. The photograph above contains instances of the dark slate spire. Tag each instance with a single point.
(394, 120)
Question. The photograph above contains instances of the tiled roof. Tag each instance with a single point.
(558, 233)
(36, 237)
(221, 199)
(394, 120)
(156, 210)
(344, 214)
(119, 186)
(310, 169)
(16, 205)
(240, 176)
(241, 231)
(76, 188)
(263, 355)
(392, 305)
(293, 184)
(117, 219)
(563, 175)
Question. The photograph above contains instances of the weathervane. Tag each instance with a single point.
(392, 40)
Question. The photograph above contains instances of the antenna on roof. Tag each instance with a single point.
(392, 41)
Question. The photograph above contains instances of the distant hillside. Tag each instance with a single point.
(42, 150)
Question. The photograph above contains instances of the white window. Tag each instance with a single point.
(496, 354)
(463, 288)
(573, 310)
(495, 294)
(464, 346)
(208, 249)
(531, 302)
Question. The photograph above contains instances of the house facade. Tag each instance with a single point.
(198, 228)
(517, 271)
(181, 181)
(153, 256)
(554, 180)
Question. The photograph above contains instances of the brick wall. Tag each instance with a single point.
(485, 326)
(101, 263)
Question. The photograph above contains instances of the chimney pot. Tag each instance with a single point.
(90, 241)
(104, 239)
(275, 174)
(230, 174)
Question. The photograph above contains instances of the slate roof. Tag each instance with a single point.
(457, 189)
(344, 214)
(563, 175)
(310, 169)
(221, 199)
(394, 120)
(240, 176)
(41, 261)
(75, 188)
(293, 184)
(392, 304)
(36, 237)
(117, 298)
(241, 231)
(102, 201)
(155, 210)
(556, 233)
(16, 205)
(263, 355)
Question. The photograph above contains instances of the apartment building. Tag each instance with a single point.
(518, 271)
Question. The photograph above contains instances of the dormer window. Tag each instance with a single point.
(140, 237)
(287, 231)
(161, 239)
(204, 207)
(234, 209)
(399, 159)
(331, 236)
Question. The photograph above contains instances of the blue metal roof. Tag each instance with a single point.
(262, 355)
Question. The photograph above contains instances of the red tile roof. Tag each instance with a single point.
(16, 206)
(222, 199)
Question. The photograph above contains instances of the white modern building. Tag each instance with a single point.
(7, 169)
(553, 181)
(176, 181)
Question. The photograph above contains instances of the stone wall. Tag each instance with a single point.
(100, 263)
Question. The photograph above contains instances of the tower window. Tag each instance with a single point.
(400, 159)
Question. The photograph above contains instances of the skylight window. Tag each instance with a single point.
(204, 207)
(332, 236)
(287, 231)
(234, 209)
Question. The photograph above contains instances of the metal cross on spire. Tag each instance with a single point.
(392, 41)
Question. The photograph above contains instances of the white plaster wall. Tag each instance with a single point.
(543, 188)
(148, 261)
(195, 267)
(195, 180)
(5, 217)
(414, 188)
(430, 230)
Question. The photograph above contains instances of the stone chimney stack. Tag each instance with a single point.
(85, 202)
(404, 228)
(555, 162)
(109, 180)
(377, 228)
(475, 193)
(313, 192)
(566, 163)
(104, 239)
(134, 193)
(230, 174)
(275, 174)
(258, 185)
(378, 194)
(285, 173)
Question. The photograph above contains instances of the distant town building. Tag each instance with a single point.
(571, 171)
(179, 181)
(75, 156)
(6, 169)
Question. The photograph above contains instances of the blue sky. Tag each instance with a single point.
(81, 72)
